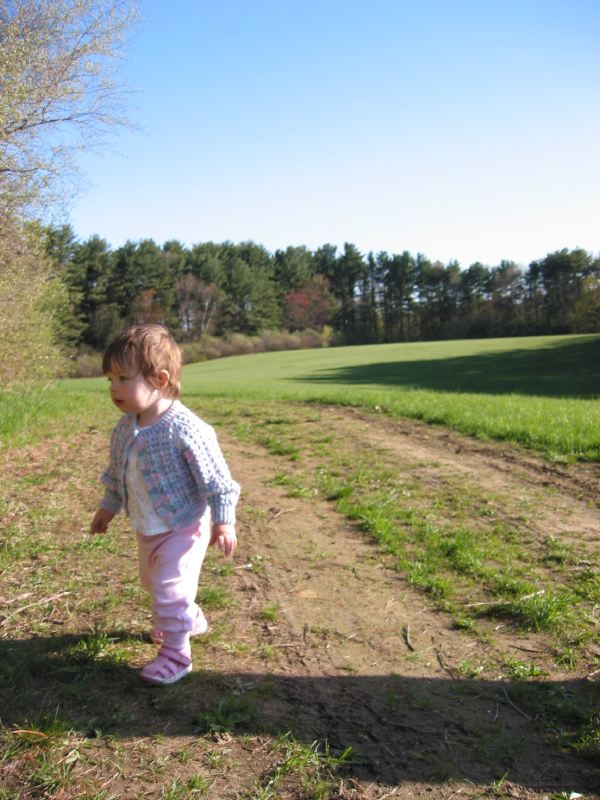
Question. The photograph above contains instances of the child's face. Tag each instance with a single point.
(132, 394)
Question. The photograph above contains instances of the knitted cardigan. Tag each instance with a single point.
(181, 463)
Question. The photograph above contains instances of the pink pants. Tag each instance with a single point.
(170, 565)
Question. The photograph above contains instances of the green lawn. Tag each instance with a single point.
(548, 366)
(541, 392)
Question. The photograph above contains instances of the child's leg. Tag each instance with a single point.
(170, 568)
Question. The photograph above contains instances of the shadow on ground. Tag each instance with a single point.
(565, 369)
(400, 728)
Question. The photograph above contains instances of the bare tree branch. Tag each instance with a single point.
(59, 75)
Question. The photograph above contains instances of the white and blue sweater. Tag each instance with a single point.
(181, 463)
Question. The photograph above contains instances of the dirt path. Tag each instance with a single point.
(362, 659)
(321, 639)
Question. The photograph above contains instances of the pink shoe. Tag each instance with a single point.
(168, 667)
(199, 629)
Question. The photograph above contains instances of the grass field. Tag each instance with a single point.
(78, 725)
(540, 392)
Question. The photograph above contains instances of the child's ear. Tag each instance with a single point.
(162, 379)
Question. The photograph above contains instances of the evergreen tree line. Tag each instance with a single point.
(226, 288)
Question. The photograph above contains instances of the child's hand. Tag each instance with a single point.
(224, 537)
(101, 521)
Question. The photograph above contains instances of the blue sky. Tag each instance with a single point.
(461, 130)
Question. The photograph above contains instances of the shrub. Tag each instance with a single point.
(87, 364)
(30, 301)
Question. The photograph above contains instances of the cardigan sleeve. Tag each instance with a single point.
(112, 500)
(209, 469)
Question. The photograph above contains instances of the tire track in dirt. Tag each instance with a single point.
(362, 659)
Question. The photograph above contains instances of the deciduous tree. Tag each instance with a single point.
(59, 90)
(311, 306)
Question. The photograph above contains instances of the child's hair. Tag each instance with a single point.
(147, 349)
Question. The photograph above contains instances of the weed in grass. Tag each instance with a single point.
(558, 552)
(586, 585)
(321, 555)
(198, 783)
(42, 731)
(244, 432)
(88, 648)
(520, 669)
(260, 793)
(47, 775)
(186, 790)
(255, 564)
(587, 741)
(106, 543)
(294, 487)
(568, 657)
(506, 584)
(462, 553)
(469, 669)
(411, 658)
(507, 534)
(278, 447)
(160, 763)
(35, 480)
(18, 543)
(239, 686)
(372, 517)
(110, 601)
(498, 784)
(282, 479)
(215, 758)
(323, 439)
(392, 698)
(214, 597)
(36, 748)
(115, 716)
(277, 421)
(172, 699)
(312, 768)
(332, 487)
(270, 613)
(237, 648)
(537, 612)
(301, 492)
(184, 755)
(425, 575)
(255, 513)
(569, 717)
(572, 642)
(462, 622)
(232, 712)
(267, 652)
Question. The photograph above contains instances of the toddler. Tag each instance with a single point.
(167, 472)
